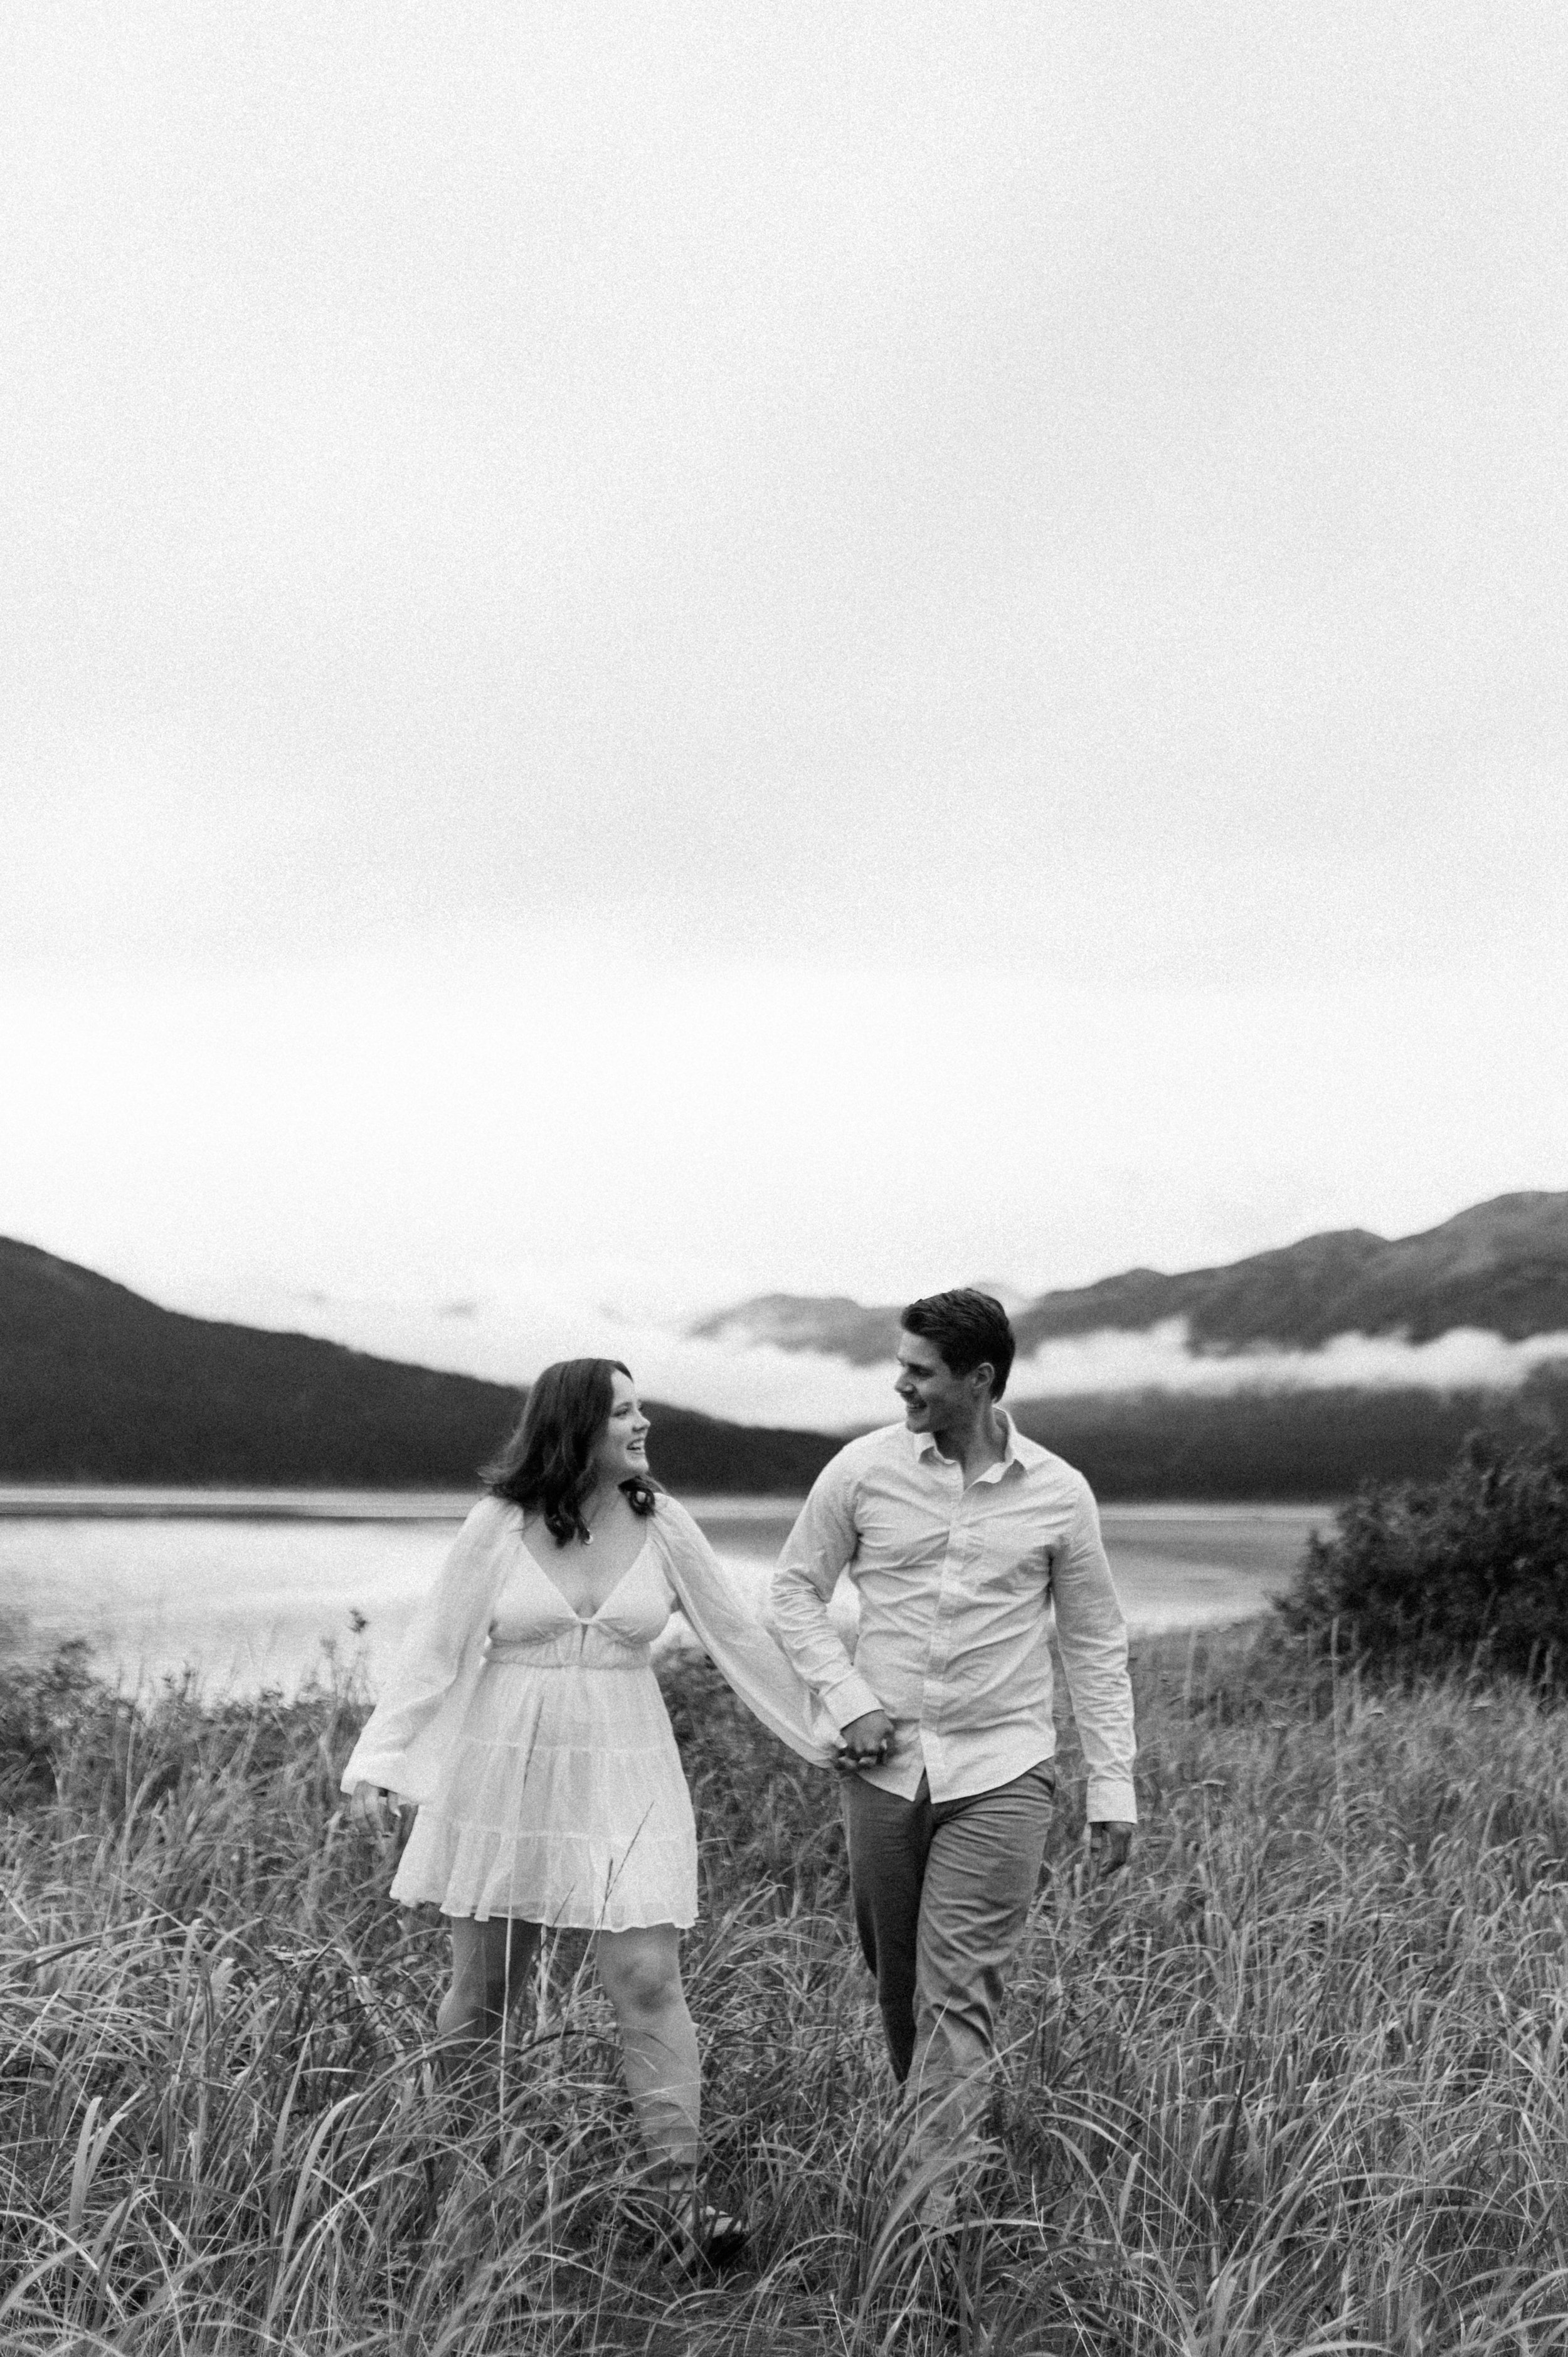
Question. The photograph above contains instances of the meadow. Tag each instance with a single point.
(1294, 2083)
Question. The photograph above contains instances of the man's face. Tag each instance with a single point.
(934, 1398)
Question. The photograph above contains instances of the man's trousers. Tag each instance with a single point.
(941, 1893)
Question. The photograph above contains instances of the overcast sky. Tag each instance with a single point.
(648, 652)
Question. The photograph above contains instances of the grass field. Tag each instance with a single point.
(1296, 2082)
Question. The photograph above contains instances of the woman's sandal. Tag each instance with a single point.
(696, 2236)
(706, 2237)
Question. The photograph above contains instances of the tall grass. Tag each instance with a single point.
(1297, 2082)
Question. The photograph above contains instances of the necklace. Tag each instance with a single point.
(590, 1520)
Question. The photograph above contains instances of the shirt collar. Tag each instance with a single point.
(1013, 1451)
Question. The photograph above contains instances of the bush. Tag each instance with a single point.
(1469, 1572)
(41, 1710)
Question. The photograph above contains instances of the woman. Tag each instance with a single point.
(524, 1719)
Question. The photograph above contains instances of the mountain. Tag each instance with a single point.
(99, 1385)
(1501, 1266)
(835, 1327)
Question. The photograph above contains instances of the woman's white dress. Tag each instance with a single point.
(562, 1798)
(536, 1741)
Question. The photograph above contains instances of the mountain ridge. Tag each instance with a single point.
(98, 1383)
(1500, 1266)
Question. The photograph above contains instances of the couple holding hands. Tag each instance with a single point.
(523, 1719)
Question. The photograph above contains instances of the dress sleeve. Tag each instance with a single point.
(438, 1665)
(729, 1631)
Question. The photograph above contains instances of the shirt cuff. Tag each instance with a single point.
(1111, 1801)
(850, 1699)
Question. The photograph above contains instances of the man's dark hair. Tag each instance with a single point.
(967, 1328)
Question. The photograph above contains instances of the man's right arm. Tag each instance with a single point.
(818, 1547)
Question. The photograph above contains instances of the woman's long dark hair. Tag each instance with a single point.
(548, 1461)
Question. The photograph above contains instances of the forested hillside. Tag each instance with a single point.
(1262, 1445)
(99, 1385)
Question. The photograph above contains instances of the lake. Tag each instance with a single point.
(247, 1588)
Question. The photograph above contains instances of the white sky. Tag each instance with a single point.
(650, 652)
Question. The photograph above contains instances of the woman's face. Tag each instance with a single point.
(621, 1449)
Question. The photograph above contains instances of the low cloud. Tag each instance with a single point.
(1163, 1359)
(506, 1331)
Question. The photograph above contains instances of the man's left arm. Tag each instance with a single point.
(1092, 1638)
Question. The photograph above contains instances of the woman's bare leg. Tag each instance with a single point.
(640, 1971)
(489, 1963)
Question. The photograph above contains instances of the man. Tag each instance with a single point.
(961, 1535)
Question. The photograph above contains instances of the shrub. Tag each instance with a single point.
(41, 1708)
(1471, 1571)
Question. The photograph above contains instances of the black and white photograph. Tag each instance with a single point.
(783, 1180)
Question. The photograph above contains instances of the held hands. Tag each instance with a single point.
(867, 1741)
(373, 1805)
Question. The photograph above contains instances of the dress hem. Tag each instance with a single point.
(550, 1922)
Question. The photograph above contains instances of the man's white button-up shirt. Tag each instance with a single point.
(956, 1589)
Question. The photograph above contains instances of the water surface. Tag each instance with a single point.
(250, 1586)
